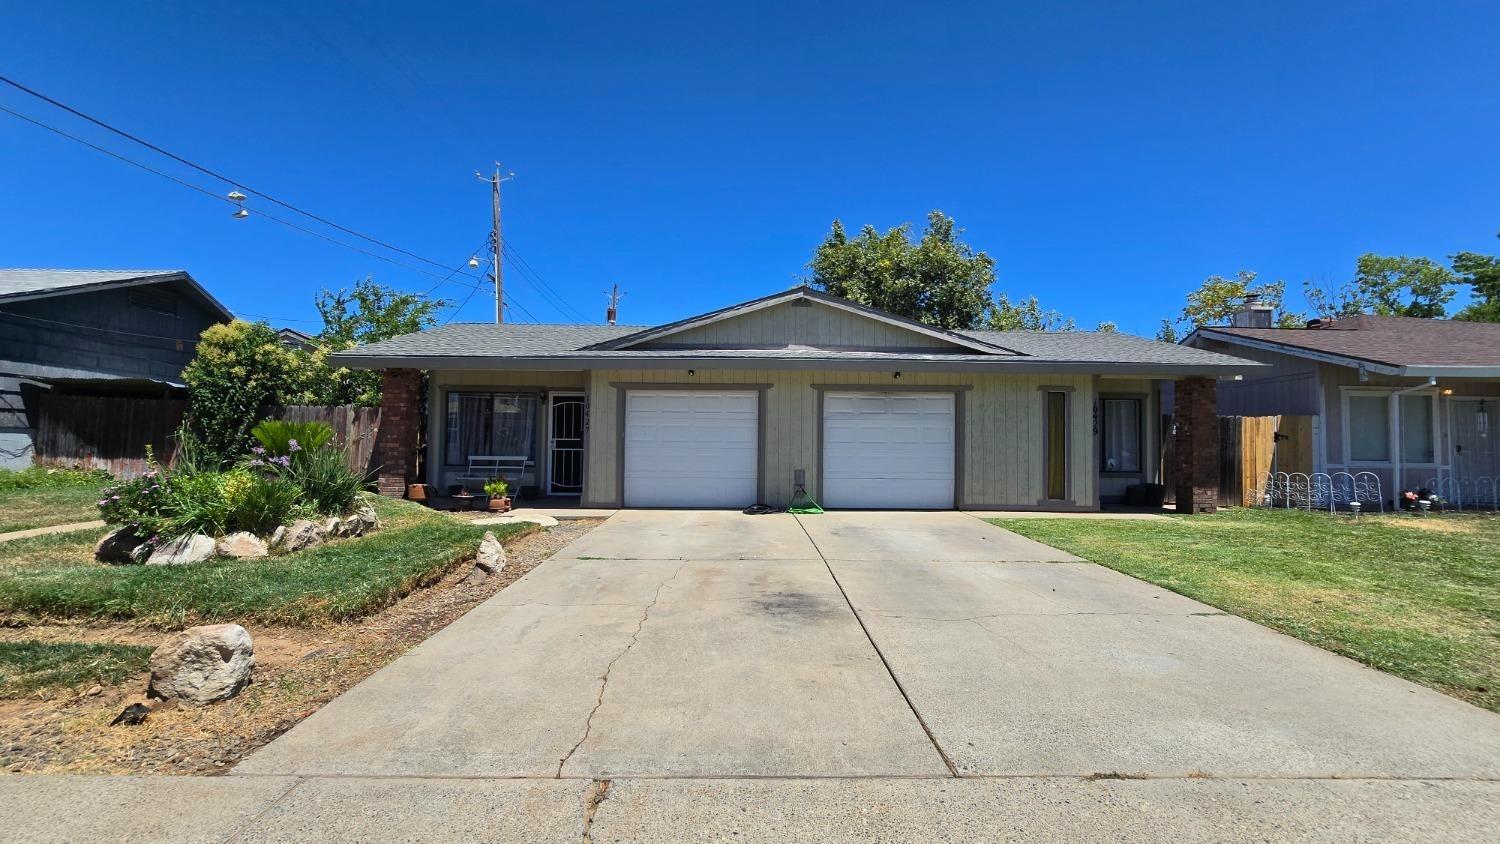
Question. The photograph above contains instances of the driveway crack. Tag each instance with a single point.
(588, 724)
(598, 792)
(891, 672)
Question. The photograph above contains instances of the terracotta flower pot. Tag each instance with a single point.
(499, 505)
(416, 492)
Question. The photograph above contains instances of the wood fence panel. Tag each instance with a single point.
(110, 433)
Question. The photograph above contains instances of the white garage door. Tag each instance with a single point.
(690, 449)
(888, 450)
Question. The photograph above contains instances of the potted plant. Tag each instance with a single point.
(497, 489)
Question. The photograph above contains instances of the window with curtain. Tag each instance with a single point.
(1416, 428)
(484, 423)
(1057, 445)
(1369, 429)
(1122, 435)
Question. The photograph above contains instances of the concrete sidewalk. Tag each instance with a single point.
(786, 811)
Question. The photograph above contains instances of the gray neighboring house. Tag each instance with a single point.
(1397, 396)
(862, 408)
(93, 332)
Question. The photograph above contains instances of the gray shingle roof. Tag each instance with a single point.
(21, 281)
(39, 283)
(476, 344)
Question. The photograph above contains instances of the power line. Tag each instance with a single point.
(206, 171)
(555, 299)
(295, 227)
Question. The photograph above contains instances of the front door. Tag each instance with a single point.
(565, 444)
(1474, 456)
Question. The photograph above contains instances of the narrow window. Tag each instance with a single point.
(1122, 435)
(1057, 446)
(1416, 428)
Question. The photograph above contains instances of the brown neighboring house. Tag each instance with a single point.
(1414, 399)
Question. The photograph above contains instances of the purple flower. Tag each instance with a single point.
(114, 498)
(257, 450)
(291, 445)
(283, 461)
(103, 501)
(257, 462)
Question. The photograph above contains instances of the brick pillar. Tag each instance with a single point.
(400, 421)
(1195, 444)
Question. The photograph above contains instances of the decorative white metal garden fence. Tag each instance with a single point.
(1319, 490)
(1456, 493)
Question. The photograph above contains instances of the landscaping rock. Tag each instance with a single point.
(491, 556)
(203, 664)
(362, 520)
(183, 551)
(333, 526)
(240, 546)
(117, 547)
(298, 536)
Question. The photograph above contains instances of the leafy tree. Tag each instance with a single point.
(1389, 286)
(1029, 315)
(369, 313)
(1107, 327)
(240, 369)
(938, 279)
(1482, 274)
(1167, 333)
(1218, 298)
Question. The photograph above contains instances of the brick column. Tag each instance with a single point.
(1195, 444)
(400, 421)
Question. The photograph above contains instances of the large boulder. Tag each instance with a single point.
(491, 556)
(203, 664)
(240, 546)
(332, 526)
(116, 547)
(297, 536)
(183, 551)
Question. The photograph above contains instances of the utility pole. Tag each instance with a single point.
(497, 241)
(612, 313)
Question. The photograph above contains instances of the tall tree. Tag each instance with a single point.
(369, 313)
(240, 369)
(1168, 332)
(1218, 298)
(938, 279)
(1389, 286)
(1482, 274)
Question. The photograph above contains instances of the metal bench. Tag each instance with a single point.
(486, 467)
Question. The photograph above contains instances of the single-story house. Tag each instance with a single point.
(861, 408)
(1408, 399)
(118, 333)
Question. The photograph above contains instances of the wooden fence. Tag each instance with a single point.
(1251, 446)
(110, 433)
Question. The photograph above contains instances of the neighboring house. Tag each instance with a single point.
(294, 339)
(742, 405)
(92, 332)
(1397, 396)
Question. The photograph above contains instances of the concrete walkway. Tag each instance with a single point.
(847, 677)
(51, 529)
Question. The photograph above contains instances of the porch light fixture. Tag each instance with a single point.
(897, 376)
(1482, 420)
(692, 372)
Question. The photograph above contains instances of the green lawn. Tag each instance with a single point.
(55, 576)
(30, 667)
(1419, 598)
(21, 509)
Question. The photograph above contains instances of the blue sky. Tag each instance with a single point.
(1108, 156)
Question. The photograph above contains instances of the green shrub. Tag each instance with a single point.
(326, 480)
(279, 437)
(42, 477)
(266, 502)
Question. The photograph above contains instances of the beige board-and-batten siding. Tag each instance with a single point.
(443, 381)
(1002, 440)
(780, 325)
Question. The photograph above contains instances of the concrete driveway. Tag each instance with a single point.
(854, 676)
